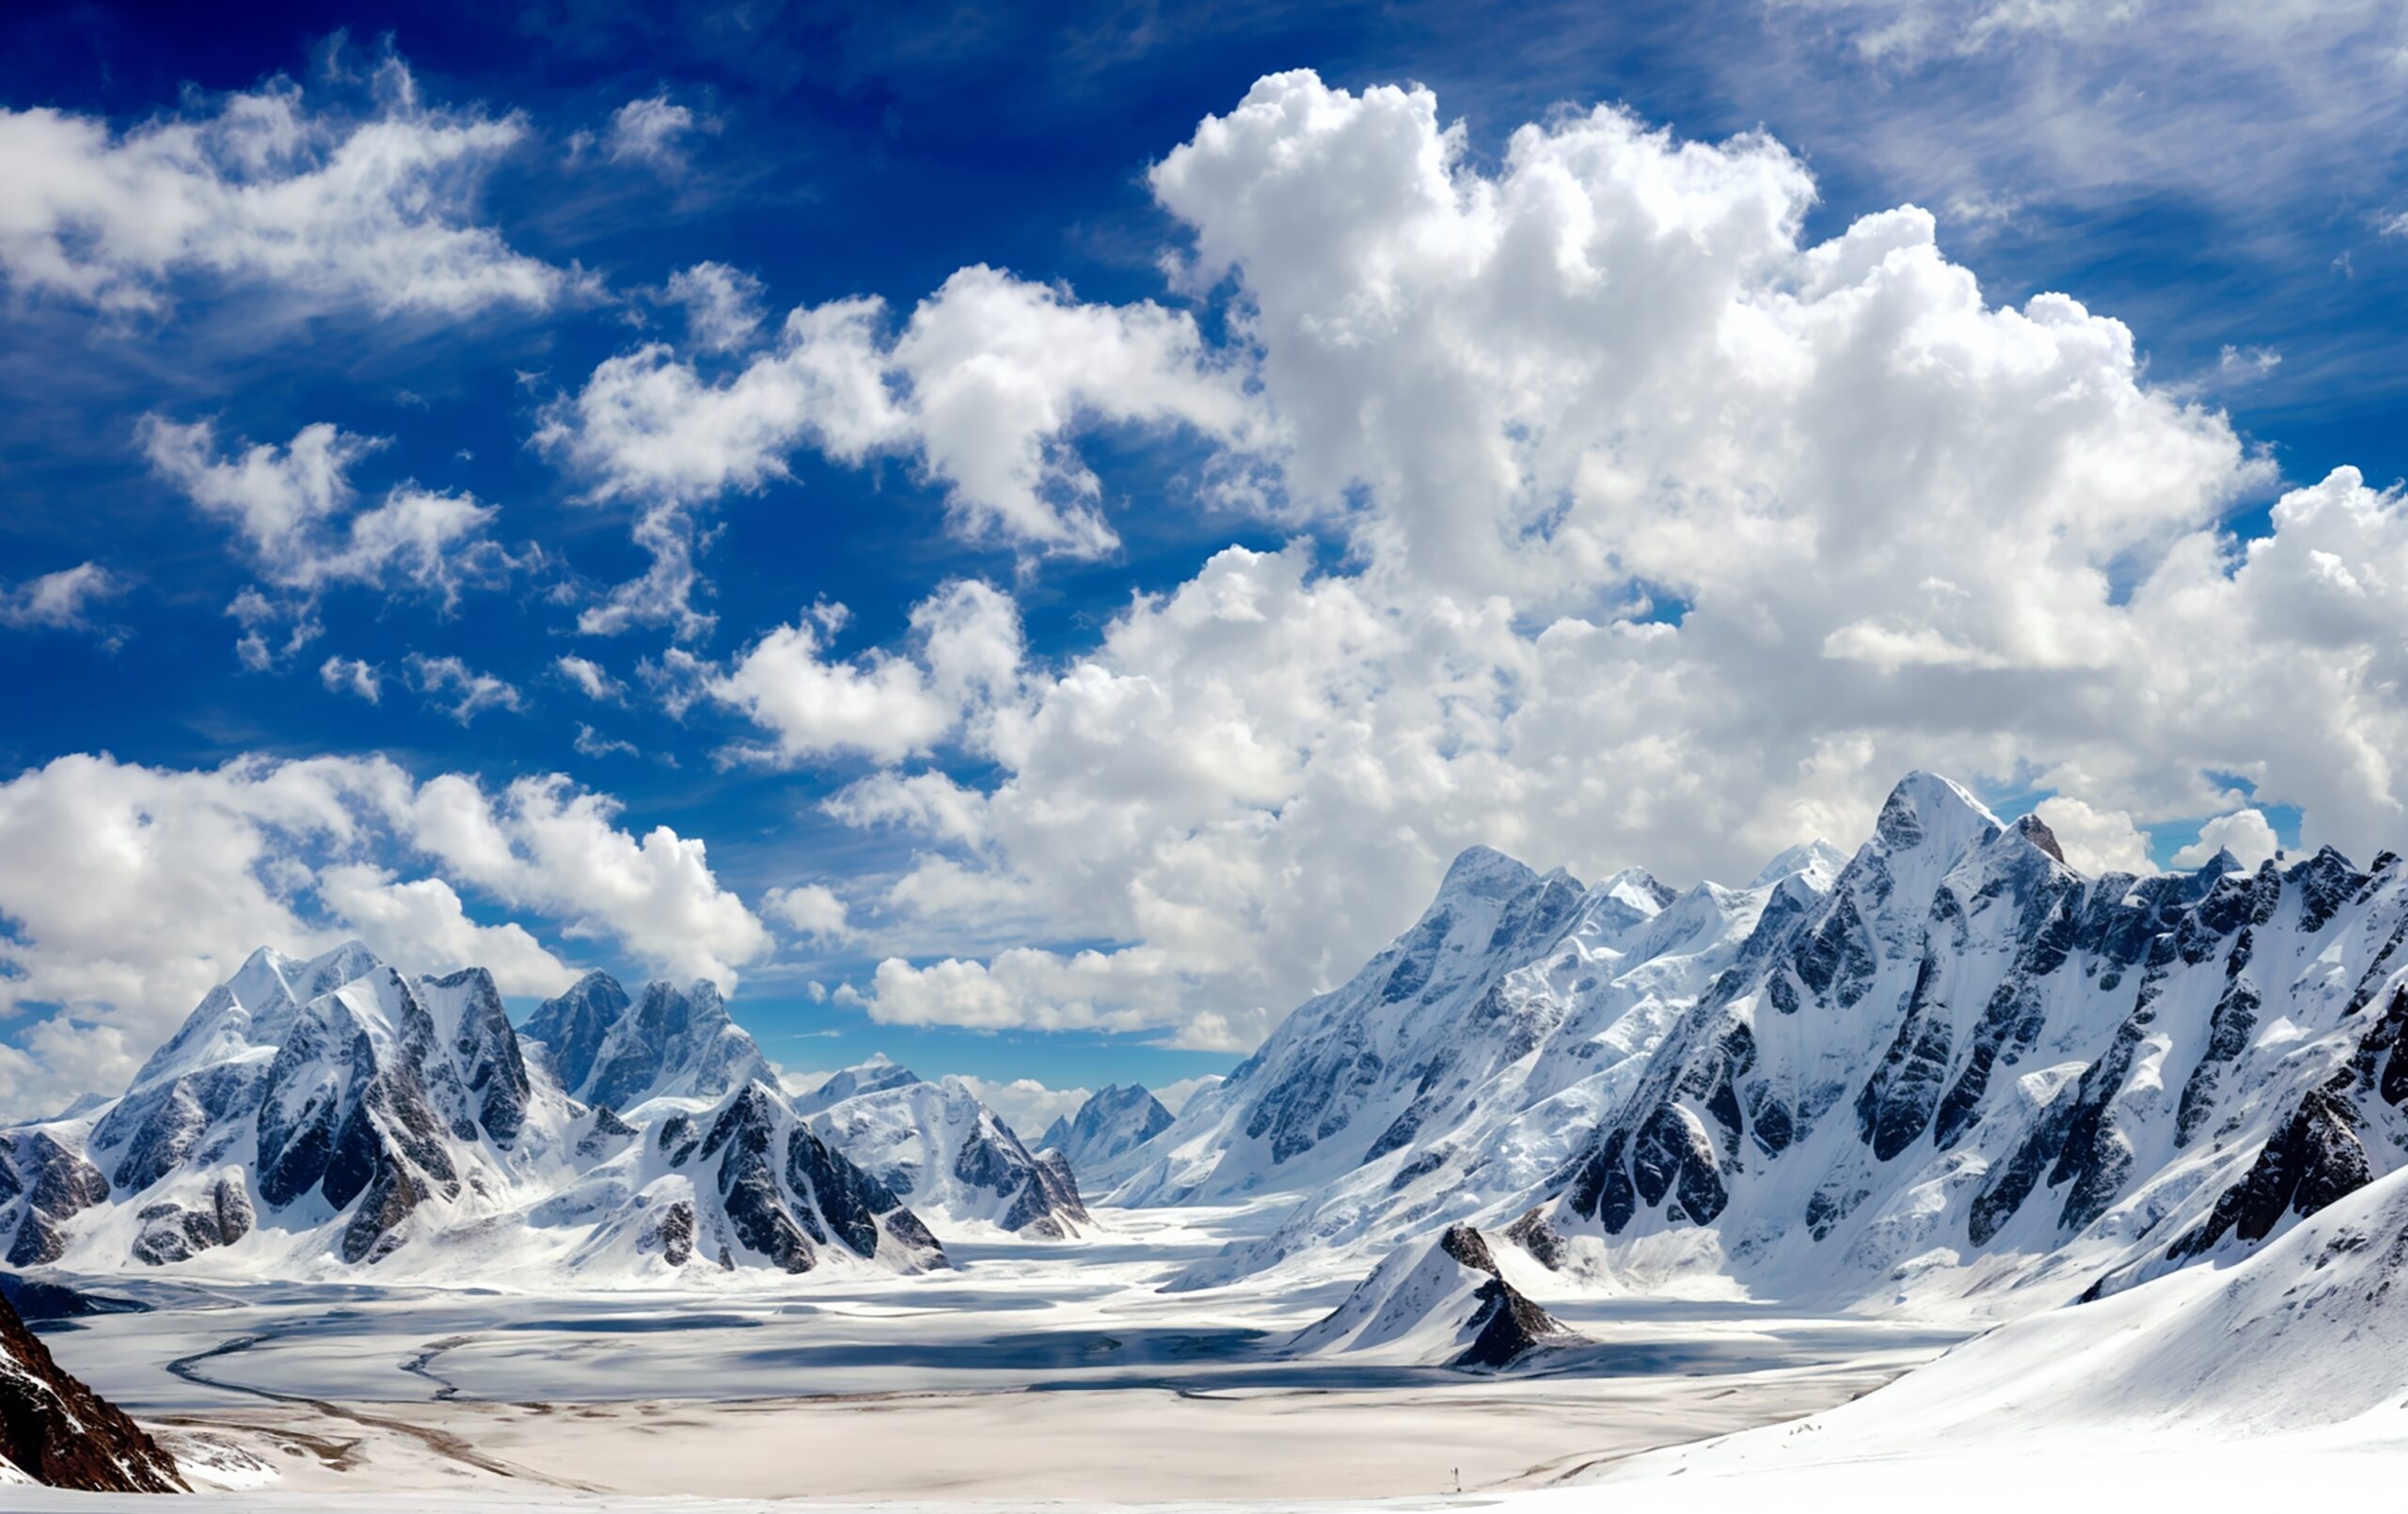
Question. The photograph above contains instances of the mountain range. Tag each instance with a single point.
(1946, 1068)
(312, 1117)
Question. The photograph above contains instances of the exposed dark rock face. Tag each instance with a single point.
(483, 1077)
(575, 1025)
(786, 1194)
(607, 1048)
(849, 1198)
(604, 1133)
(748, 1186)
(1544, 1243)
(59, 1432)
(2315, 1158)
(58, 1184)
(1506, 1326)
(1044, 1195)
(1897, 1105)
(671, 1234)
(172, 1233)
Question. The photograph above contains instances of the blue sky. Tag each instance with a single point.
(2225, 180)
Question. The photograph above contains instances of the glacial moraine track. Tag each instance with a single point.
(441, 1443)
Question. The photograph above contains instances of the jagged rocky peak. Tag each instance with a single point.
(484, 1080)
(1947, 1043)
(1112, 1122)
(57, 1431)
(749, 1181)
(1441, 1300)
(383, 1116)
(606, 1048)
(347, 1112)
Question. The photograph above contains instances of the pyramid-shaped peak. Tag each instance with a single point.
(2221, 864)
(1925, 807)
(1485, 871)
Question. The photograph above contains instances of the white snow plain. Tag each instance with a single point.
(1055, 1374)
(1037, 1371)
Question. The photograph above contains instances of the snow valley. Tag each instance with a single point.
(1646, 1164)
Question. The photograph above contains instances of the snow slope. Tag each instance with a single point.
(2307, 1337)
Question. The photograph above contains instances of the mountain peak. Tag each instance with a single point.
(1925, 805)
(1816, 856)
(1486, 872)
(2035, 831)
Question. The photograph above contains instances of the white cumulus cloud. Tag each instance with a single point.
(1675, 538)
(377, 209)
(2247, 834)
(293, 508)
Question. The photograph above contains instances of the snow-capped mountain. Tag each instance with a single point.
(1438, 1300)
(610, 1049)
(945, 1152)
(1112, 1123)
(57, 1431)
(317, 1115)
(1947, 1063)
(742, 1182)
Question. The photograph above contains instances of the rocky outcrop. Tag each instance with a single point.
(767, 1187)
(1442, 1301)
(55, 1183)
(1505, 1326)
(57, 1432)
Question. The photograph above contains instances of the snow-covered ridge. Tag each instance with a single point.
(1944, 1067)
(314, 1117)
